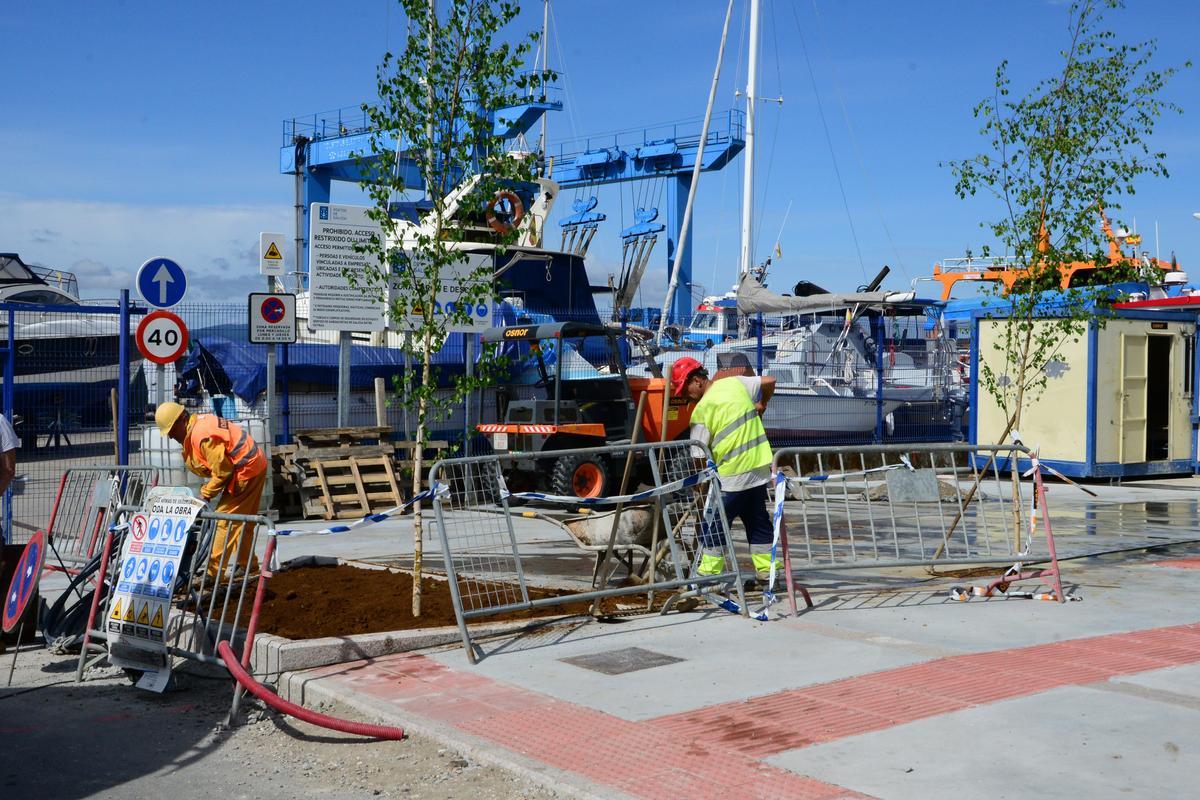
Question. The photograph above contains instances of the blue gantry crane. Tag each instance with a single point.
(320, 148)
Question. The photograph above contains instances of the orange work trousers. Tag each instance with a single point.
(233, 544)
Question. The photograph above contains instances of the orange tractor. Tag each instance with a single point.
(586, 404)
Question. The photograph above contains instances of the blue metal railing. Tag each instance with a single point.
(352, 120)
(728, 126)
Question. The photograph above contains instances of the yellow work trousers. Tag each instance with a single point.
(233, 542)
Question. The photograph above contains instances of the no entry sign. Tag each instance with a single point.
(162, 337)
(272, 318)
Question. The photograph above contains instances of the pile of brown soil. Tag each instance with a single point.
(312, 602)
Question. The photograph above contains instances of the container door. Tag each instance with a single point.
(1133, 398)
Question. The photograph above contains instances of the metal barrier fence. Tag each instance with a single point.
(485, 554)
(70, 386)
(85, 506)
(214, 597)
(78, 391)
(895, 505)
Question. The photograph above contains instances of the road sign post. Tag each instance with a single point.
(271, 320)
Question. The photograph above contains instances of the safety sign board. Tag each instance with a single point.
(335, 302)
(161, 282)
(162, 337)
(272, 318)
(145, 581)
(270, 254)
(456, 311)
(25, 580)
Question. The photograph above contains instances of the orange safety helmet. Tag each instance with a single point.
(681, 371)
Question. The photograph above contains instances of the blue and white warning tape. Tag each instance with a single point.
(781, 484)
(703, 476)
(841, 476)
(434, 491)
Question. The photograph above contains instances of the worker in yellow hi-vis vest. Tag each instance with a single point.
(728, 418)
(236, 468)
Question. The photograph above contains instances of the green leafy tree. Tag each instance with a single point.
(1057, 159)
(439, 101)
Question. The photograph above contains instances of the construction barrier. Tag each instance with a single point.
(85, 506)
(173, 592)
(898, 506)
(485, 556)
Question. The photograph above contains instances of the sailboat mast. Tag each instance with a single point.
(745, 262)
(545, 63)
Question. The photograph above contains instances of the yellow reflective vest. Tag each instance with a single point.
(739, 441)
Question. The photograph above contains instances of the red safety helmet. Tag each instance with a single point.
(681, 371)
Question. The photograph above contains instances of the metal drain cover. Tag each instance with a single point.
(618, 662)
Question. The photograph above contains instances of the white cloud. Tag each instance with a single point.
(105, 243)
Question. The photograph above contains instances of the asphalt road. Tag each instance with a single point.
(106, 739)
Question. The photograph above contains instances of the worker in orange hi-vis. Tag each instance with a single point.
(236, 468)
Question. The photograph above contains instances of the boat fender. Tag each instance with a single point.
(505, 211)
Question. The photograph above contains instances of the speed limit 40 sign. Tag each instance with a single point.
(162, 337)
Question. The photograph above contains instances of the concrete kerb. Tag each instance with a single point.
(308, 690)
(276, 655)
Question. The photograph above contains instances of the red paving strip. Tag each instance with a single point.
(866, 703)
(716, 751)
(635, 758)
(1179, 563)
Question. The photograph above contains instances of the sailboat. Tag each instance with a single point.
(828, 381)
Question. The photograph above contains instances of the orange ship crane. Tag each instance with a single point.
(1007, 271)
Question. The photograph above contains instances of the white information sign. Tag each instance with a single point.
(141, 606)
(272, 318)
(334, 304)
(450, 297)
(270, 254)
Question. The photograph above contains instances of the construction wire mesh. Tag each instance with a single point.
(486, 546)
(898, 505)
(209, 599)
(86, 505)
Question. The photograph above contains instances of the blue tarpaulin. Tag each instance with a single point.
(218, 365)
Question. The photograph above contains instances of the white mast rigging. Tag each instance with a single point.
(746, 261)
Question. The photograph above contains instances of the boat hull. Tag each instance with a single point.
(807, 415)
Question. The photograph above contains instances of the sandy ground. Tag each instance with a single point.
(106, 739)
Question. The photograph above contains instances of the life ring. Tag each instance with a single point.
(505, 211)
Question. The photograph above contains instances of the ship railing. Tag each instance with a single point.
(976, 264)
(59, 279)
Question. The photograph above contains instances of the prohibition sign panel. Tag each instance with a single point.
(272, 318)
(25, 580)
(162, 337)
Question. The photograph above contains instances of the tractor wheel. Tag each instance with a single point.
(579, 476)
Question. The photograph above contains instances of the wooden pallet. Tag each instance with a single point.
(340, 473)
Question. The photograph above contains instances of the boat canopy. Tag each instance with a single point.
(753, 298)
(14, 270)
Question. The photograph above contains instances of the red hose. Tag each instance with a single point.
(247, 682)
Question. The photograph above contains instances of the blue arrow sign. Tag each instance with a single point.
(161, 282)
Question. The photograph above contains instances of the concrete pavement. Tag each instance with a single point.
(891, 693)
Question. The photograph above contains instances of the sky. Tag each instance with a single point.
(136, 129)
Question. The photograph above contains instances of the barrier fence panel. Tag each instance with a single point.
(71, 386)
(85, 506)
(897, 505)
(213, 597)
(487, 548)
